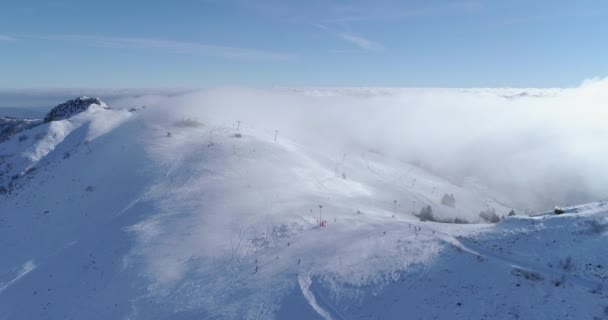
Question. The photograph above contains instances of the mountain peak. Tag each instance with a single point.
(73, 107)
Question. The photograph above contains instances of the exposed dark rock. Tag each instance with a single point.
(72, 107)
(11, 126)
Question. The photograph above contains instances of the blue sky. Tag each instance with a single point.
(200, 43)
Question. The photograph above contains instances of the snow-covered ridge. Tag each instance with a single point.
(10, 126)
(28, 143)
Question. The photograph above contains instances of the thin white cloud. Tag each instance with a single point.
(360, 42)
(344, 13)
(6, 38)
(172, 46)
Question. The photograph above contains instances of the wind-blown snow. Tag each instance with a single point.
(539, 147)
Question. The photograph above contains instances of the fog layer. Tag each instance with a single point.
(536, 148)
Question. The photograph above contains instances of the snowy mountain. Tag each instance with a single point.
(159, 214)
(39, 141)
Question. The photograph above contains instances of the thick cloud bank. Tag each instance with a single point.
(534, 147)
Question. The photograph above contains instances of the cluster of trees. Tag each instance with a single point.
(489, 215)
(426, 214)
(448, 200)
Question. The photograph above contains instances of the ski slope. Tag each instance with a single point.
(128, 215)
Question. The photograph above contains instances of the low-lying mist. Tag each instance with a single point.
(536, 147)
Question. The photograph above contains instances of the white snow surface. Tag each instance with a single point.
(155, 217)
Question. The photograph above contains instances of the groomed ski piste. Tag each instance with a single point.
(149, 214)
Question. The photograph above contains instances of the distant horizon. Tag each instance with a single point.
(38, 98)
(35, 103)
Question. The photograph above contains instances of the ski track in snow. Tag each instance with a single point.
(305, 283)
(27, 267)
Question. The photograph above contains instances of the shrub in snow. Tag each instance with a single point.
(86, 143)
(448, 200)
(489, 215)
(188, 123)
(559, 282)
(566, 264)
(528, 275)
(455, 220)
(460, 221)
(558, 210)
(512, 213)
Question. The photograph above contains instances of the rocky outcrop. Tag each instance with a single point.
(73, 107)
(11, 126)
